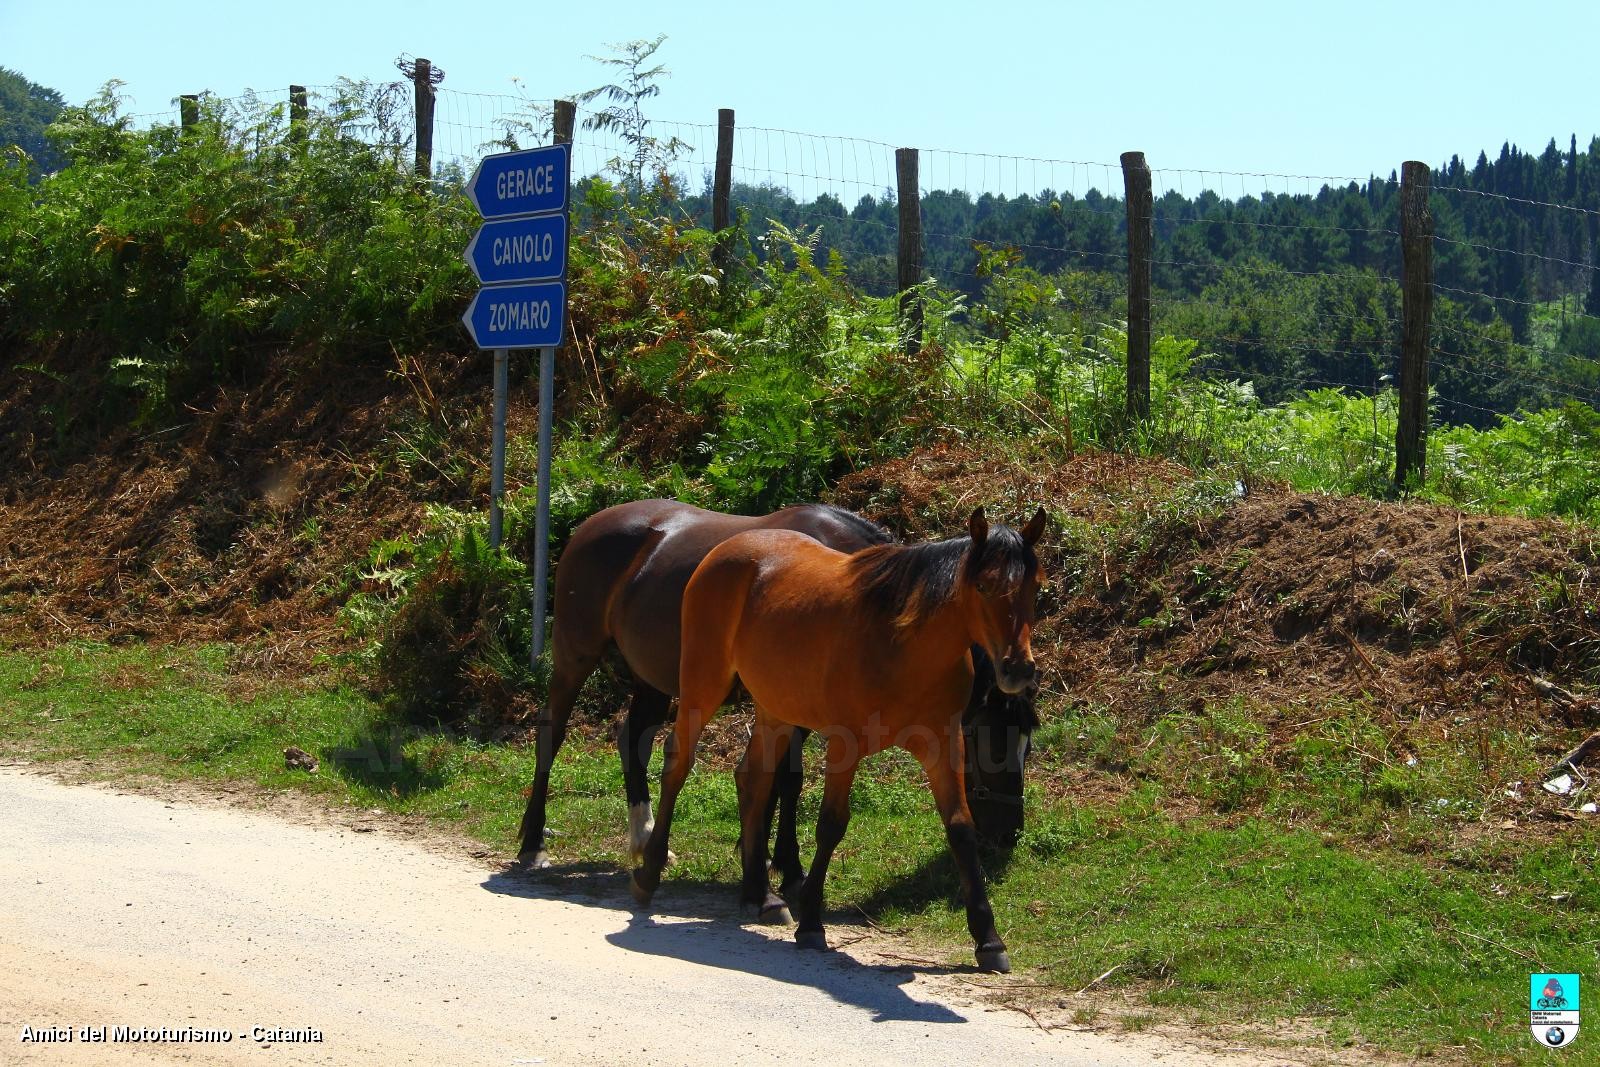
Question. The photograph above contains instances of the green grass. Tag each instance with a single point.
(1286, 914)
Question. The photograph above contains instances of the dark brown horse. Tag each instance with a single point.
(620, 581)
(872, 650)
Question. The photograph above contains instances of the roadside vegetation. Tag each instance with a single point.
(1256, 925)
(1289, 773)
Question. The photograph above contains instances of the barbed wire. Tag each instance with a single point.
(1284, 376)
(1275, 225)
(1457, 190)
(1460, 403)
(1512, 252)
(1321, 345)
(1499, 298)
(1167, 300)
(1556, 385)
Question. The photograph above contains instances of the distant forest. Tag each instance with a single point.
(1288, 291)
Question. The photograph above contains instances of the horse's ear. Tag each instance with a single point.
(1034, 530)
(978, 526)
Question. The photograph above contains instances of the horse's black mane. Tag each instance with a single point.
(908, 581)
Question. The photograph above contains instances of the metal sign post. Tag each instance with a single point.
(497, 450)
(541, 520)
(520, 256)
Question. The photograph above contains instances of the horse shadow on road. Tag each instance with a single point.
(697, 922)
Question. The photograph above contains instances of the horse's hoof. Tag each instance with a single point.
(814, 939)
(770, 913)
(641, 895)
(534, 861)
(994, 960)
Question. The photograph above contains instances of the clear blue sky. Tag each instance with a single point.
(1335, 88)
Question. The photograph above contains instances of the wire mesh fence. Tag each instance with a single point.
(1288, 281)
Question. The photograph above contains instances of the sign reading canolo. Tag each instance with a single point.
(519, 250)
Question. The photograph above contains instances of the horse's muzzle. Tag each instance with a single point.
(1016, 676)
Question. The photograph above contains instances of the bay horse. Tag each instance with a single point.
(872, 650)
(620, 581)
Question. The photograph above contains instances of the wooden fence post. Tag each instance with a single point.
(722, 187)
(1416, 289)
(422, 80)
(566, 113)
(189, 111)
(1136, 184)
(298, 114)
(910, 252)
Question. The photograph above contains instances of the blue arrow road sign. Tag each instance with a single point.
(519, 250)
(529, 182)
(518, 316)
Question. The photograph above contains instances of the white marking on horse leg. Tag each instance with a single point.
(639, 826)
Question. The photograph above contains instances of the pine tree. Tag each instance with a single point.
(1592, 305)
(1572, 171)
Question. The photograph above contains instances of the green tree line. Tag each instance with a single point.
(1288, 290)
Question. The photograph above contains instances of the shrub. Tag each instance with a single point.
(454, 649)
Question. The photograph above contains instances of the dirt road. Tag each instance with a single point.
(130, 910)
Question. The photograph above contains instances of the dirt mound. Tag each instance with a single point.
(235, 524)
(930, 493)
(1163, 596)
(243, 522)
(1287, 596)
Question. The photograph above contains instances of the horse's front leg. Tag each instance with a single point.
(784, 802)
(844, 755)
(768, 743)
(566, 679)
(942, 759)
(681, 744)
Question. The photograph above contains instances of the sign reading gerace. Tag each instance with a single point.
(529, 182)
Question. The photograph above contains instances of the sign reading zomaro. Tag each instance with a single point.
(517, 316)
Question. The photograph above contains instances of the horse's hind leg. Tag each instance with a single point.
(844, 754)
(942, 761)
(635, 738)
(784, 802)
(570, 671)
(755, 776)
